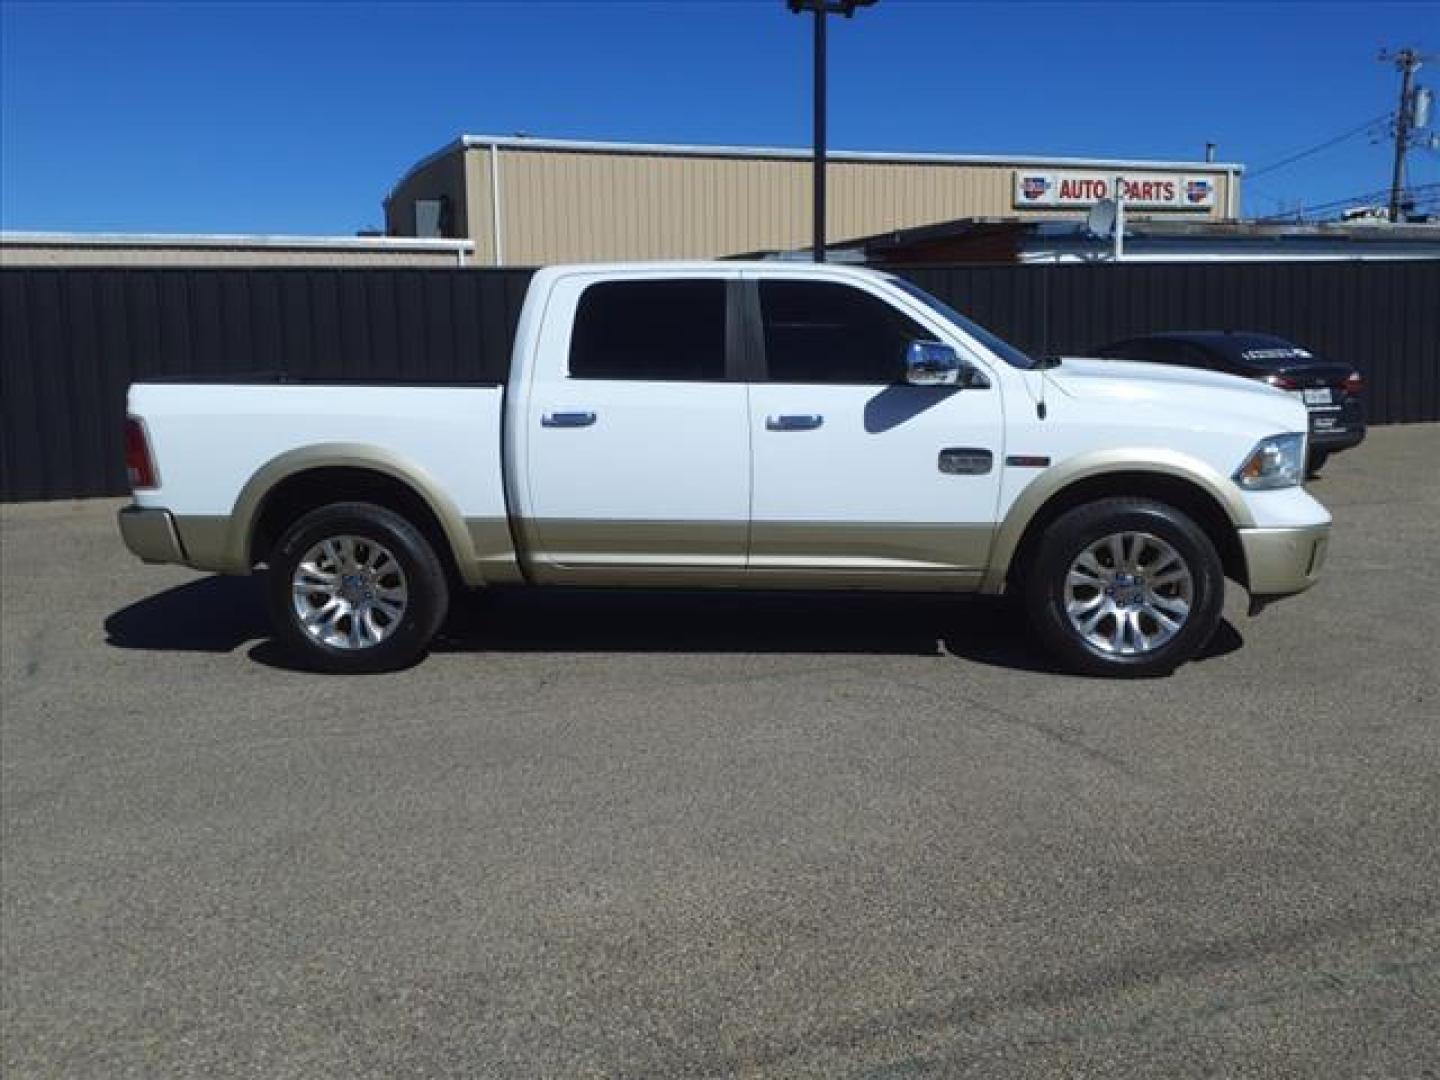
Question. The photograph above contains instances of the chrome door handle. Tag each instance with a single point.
(794, 422)
(567, 419)
(966, 460)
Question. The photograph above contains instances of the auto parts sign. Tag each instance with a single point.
(1150, 191)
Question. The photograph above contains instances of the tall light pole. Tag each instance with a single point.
(822, 8)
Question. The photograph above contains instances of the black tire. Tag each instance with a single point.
(1077, 531)
(1317, 461)
(421, 578)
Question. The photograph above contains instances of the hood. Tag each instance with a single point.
(1188, 389)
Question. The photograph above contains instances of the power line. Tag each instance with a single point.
(1407, 193)
(1334, 141)
(1419, 192)
(1320, 207)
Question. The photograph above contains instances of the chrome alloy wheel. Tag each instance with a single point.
(349, 592)
(1128, 593)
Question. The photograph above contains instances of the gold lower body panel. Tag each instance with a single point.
(782, 555)
(670, 554)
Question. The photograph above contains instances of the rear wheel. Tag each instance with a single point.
(1125, 587)
(354, 587)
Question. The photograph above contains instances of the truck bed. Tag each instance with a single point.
(218, 442)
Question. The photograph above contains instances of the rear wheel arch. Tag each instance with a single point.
(301, 481)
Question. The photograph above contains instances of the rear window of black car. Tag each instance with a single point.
(1261, 352)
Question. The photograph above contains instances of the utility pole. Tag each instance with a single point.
(1407, 62)
(822, 8)
(818, 170)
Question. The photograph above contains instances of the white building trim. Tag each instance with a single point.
(224, 241)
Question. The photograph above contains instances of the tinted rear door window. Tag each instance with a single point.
(650, 331)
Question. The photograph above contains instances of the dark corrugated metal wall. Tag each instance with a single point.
(1383, 317)
(71, 340)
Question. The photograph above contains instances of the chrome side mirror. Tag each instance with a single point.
(931, 363)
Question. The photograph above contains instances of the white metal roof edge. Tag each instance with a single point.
(235, 240)
(721, 267)
(516, 142)
(650, 266)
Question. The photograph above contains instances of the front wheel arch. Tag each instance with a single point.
(1184, 495)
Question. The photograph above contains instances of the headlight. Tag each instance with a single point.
(1277, 462)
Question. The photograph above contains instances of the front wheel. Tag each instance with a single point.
(354, 587)
(1125, 587)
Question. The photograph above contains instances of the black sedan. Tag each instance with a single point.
(1330, 390)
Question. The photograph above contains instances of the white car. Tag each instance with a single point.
(732, 425)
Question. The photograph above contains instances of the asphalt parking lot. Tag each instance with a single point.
(677, 835)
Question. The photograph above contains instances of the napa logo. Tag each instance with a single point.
(1198, 191)
(1034, 187)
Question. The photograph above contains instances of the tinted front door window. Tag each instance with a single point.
(820, 332)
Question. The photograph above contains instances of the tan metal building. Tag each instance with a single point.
(528, 202)
(189, 249)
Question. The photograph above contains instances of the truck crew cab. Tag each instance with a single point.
(732, 425)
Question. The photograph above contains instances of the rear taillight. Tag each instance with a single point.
(1282, 382)
(139, 466)
(1354, 383)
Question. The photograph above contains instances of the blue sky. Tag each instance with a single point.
(280, 117)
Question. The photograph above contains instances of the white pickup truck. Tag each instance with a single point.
(733, 425)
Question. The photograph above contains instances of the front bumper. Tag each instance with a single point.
(151, 535)
(1339, 427)
(1282, 561)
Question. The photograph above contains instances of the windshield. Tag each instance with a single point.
(999, 346)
